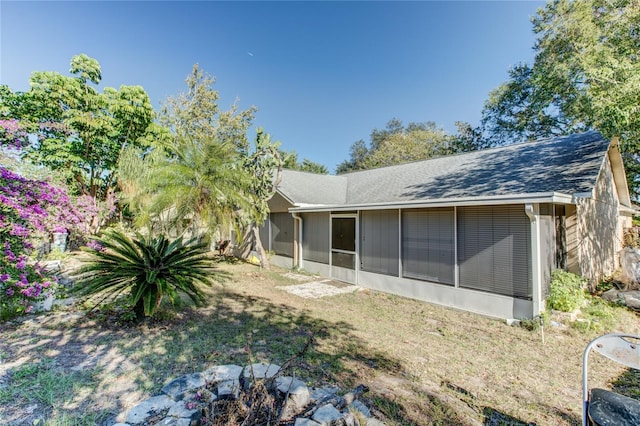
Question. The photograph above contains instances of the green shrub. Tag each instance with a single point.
(146, 270)
(567, 291)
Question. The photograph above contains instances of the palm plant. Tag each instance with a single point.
(146, 270)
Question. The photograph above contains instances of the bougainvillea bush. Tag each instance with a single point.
(30, 211)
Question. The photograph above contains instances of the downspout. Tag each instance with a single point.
(297, 248)
(532, 211)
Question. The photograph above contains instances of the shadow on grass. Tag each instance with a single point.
(494, 417)
(128, 364)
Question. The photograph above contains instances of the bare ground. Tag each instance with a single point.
(424, 364)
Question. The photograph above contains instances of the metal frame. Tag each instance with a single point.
(621, 348)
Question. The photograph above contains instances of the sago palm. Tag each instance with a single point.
(146, 270)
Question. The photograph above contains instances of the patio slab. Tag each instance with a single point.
(318, 289)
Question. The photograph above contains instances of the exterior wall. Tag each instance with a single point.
(599, 229)
(547, 245)
(282, 261)
(573, 240)
(316, 268)
(484, 303)
(278, 204)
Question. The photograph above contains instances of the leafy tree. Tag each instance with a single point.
(468, 138)
(290, 161)
(146, 270)
(265, 164)
(357, 155)
(416, 143)
(198, 181)
(199, 187)
(196, 113)
(398, 144)
(585, 74)
(80, 132)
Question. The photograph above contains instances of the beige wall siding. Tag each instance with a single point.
(599, 237)
(571, 223)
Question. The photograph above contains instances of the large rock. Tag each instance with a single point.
(183, 384)
(180, 411)
(149, 408)
(632, 299)
(223, 373)
(260, 371)
(298, 395)
(327, 415)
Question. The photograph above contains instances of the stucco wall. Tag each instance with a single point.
(598, 228)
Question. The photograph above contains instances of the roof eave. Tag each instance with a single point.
(542, 197)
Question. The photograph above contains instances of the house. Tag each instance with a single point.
(479, 231)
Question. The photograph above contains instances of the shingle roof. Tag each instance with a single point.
(304, 188)
(567, 164)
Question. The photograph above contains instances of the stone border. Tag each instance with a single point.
(183, 399)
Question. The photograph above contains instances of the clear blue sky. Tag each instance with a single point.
(322, 74)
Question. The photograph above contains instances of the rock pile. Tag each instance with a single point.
(196, 399)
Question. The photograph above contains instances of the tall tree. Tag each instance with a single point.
(207, 177)
(265, 165)
(398, 143)
(585, 74)
(290, 161)
(80, 132)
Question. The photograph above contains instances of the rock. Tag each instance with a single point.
(260, 371)
(318, 394)
(349, 419)
(174, 421)
(612, 295)
(360, 408)
(327, 415)
(298, 395)
(632, 299)
(178, 387)
(187, 396)
(152, 406)
(222, 373)
(229, 389)
(305, 422)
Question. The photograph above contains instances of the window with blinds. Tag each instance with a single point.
(379, 241)
(428, 245)
(282, 232)
(494, 250)
(315, 237)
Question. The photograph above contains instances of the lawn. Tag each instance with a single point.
(424, 364)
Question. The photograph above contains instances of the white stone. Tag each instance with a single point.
(221, 373)
(326, 415)
(298, 398)
(260, 371)
(177, 387)
(229, 389)
(305, 422)
(145, 409)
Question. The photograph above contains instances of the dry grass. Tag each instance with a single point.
(424, 364)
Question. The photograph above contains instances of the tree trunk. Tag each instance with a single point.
(264, 260)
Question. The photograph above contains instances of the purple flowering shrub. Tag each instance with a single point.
(29, 212)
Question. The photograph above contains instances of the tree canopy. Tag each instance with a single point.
(585, 75)
(291, 162)
(397, 143)
(207, 175)
(79, 131)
